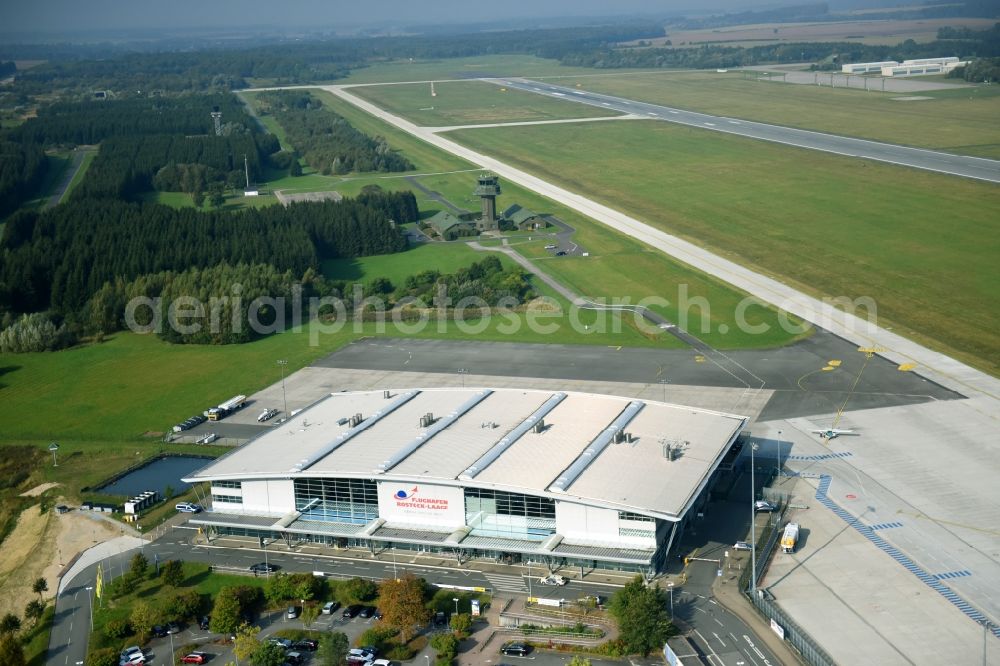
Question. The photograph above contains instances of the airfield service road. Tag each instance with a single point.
(917, 158)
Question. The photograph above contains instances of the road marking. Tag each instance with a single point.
(710, 124)
(717, 622)
(719, 639)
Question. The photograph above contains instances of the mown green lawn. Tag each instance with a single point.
(472, 102)
(923, 245)
(963, 120)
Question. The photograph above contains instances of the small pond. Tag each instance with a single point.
(157, 475)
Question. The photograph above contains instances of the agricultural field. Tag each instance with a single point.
(471, 102)
(875, 32)
(961, 121)
(926, 254)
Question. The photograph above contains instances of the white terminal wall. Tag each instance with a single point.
(425, 505)
(578, 523)
(270, 497)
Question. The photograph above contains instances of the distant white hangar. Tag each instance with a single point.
(576, 478)
(917, 67)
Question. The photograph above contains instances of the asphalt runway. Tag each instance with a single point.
(917, 158)
(795, 373)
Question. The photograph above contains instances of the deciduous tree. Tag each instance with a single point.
(403, 605)
(332, 649)
(173, 573)
(641, 615)
(143, 618)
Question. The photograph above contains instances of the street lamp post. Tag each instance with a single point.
(90, 596)
(462, 373)
(753, 527)
(455, 599)
(173, 657)
(670, 586)
(663, 383)
(282, 363)
(53, 447)
(779, 454)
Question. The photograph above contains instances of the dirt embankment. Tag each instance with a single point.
(39, 546)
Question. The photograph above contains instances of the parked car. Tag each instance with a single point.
(204, 622)
(208, 439)
(329, 607)
(552, 580)
(377, 614)
(561, 253)
(134, 659)
(306, 644)
(292, 612)
(741, 545)
(158, 631)
(551, 247)
(267, 415)
(381, 662)
(173, 628)
(187, 507)
(263, 567)
(195, 658)
(366, 611)
(283, 642)
(440, 619)
(515, 649)
(351, 611)
(764, 505)
(294, 658)
(129, 651)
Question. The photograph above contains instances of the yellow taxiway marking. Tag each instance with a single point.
(699, 358)
(828, 368)
(906, 367)
(835, 363)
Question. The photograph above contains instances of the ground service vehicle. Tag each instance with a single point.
(552, 580)
(789, 538)
(226, 408)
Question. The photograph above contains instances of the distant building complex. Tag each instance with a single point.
(921, 66)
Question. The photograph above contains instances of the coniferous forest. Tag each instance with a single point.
(325, 140)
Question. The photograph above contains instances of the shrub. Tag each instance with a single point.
(379, 637)
(116, 629)
(102, 657)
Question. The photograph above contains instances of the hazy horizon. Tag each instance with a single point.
(110, 16)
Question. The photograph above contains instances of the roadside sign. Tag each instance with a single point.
(475, 607)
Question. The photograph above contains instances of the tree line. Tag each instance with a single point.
(326, 141)
(22, 168)
(321, 60)
(57, 259)
(90, 122)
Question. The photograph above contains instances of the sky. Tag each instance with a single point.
(42, 16)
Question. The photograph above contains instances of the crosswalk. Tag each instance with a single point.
(506, 582)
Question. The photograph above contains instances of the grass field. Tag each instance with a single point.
(78, 176)
(459, 68)
(960, 121)
(927, 253)
(471, 102)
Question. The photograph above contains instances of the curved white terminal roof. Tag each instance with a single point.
(489, 438)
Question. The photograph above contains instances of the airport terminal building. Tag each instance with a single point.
(570, 479)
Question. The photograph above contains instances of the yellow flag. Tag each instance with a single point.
(99, 585)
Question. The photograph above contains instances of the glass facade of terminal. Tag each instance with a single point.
(495, 513)
(352, 501)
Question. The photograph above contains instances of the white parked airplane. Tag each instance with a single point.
(833, 433)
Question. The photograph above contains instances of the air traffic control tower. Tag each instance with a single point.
(487, 190)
